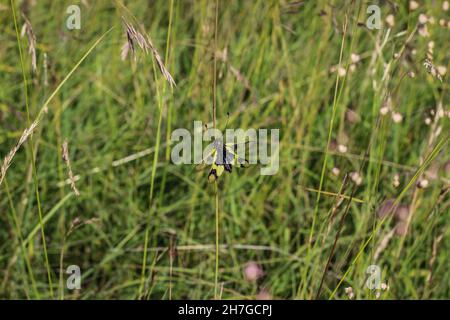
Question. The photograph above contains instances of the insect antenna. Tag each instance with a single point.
(226, 123)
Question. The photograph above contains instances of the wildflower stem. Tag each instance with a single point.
(216, 189)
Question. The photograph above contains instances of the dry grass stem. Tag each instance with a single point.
(432, 69)
(383, 244)
(9, 157)
(436, 243)
(65, 156)
(28, 30)
(146, 45)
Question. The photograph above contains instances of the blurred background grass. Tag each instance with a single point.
(277, 67)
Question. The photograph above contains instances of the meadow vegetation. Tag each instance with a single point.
(86, 118)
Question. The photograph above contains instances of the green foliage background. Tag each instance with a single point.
(108, 110)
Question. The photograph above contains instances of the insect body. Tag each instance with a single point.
(223, 157)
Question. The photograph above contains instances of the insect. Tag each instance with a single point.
(222, 158)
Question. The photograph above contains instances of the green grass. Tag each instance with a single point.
(109, 109)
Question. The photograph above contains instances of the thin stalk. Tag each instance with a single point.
(22, 245)
(170, 105)
(330, 132)
(155, 155)
(216, 273)
(152, 180)
(215, 67)
(30, 144)
(325, 160)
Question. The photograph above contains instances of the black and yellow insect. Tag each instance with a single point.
(223, 157)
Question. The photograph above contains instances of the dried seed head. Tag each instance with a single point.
(341, 71)
(352, 68)
(28, 30)
(65, 156)
(442, 70)
(383, 244)
(423, 18)
(422, 183)
(146, 45)
(45, 75)
(222, 55)
(356, 178)
(124, 51)
(445, 5)
(396, 180)
(9, 157)
(76, 221)
(350, 293)
(397, 117)
(423, 31)
(387, 106)
(390, 20)
(160, 64)
(384, 110)
(355, 57)
(336, 171)
(413, 5)
(342, 148)
(429, 66)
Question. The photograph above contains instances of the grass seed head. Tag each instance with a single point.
(65, 156)
(146, 45)
(430, 67)
(28, 30)
(9, 157)
(350, 293)
(390, 20)
(413, 5)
